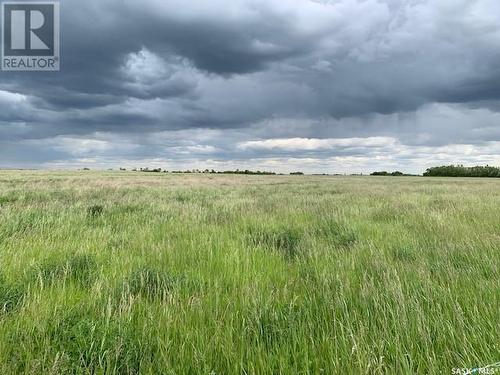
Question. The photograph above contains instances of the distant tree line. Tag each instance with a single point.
(209, 171)
(154, 170)
(246, 171)
(395, 174)
(461, 171)
(212, 171)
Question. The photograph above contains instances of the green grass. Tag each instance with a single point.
(198, 274)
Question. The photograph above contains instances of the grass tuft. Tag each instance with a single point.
(78, 268)
(11, 296)
(148, 283)
(95, 211)
(4, 200)
(404, 254)
(336, 234)
(82, 343)
(286, 241)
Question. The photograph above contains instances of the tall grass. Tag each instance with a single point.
(128, 273)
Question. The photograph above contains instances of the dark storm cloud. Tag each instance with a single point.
(369, 68)
(422, 72)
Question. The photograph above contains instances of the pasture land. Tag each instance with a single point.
(118, 272)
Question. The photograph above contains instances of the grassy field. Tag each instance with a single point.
(199, 274)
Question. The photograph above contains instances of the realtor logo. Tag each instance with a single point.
(30, 35)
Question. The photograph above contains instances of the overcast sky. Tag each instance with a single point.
(323, 86)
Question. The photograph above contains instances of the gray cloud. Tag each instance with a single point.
(422, 73)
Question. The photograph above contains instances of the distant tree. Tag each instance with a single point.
(461, 171)
(213, 171)
(155, 170)
(393, 174)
